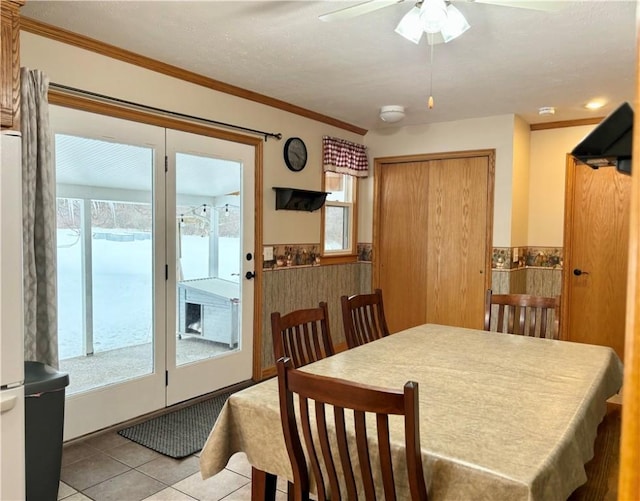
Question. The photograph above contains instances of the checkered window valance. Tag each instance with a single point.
(344, 157)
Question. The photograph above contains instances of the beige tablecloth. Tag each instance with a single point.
(502, 416)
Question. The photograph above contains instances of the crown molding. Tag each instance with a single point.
(566, 123)
(105, 49)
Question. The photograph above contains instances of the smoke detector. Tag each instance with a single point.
(392, 113)
(547, 110)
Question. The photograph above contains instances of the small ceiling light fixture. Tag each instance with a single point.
(391, 113)
(595, 104)
(441, 22)
(547, 110)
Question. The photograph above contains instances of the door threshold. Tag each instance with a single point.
(160, 412)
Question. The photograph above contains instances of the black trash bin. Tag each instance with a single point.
(44, 389)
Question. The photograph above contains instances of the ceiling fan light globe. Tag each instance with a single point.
(456, 24)
(410, 26)
(433, 15)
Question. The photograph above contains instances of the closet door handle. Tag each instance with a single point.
(577, 272)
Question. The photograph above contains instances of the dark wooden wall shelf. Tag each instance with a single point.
(295, 199)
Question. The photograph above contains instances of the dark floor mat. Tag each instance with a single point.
(179, 433)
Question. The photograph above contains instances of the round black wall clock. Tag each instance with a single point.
(295, 154)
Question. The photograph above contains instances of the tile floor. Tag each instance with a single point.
(108, 467)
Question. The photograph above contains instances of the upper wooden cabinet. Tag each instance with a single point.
(10, 63)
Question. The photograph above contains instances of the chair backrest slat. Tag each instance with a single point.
(363, 318)
(323, 434)
(310, 445)
(302, 335)
(345, 456)
(345, 399)
(523, 314)
(384, 450)
(364, 458)
(294, 445)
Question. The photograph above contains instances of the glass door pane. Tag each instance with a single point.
(105, 261)
(208, 257)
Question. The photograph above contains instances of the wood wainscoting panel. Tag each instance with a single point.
(544, 281)
(289, 289)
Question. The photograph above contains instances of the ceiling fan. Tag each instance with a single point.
(438, 18)
(373, 5)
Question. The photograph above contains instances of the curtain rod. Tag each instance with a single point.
(109, 99)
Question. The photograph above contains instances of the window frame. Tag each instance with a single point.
(341, 255)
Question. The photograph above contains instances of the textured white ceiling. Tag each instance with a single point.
(512, 60)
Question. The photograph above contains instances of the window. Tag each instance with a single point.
(339, 214)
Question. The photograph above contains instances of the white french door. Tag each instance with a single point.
(210, 299)
(141, 246)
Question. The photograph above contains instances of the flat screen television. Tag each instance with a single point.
(610, 143)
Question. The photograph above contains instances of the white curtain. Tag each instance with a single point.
(39, 221)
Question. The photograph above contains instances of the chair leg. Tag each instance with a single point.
(263, 485)
(291, 494)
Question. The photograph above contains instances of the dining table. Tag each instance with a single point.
(502, 416)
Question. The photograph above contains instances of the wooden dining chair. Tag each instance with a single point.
(536, 316)
(336, 439)
(302, 335)
(363, 318)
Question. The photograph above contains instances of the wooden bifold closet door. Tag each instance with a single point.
(432, 238)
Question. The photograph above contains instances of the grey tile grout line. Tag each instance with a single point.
(165, 486)
(83, 491)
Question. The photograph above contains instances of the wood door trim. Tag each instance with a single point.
(84, 104)
(490, 214)
(569, 193)
(566, 123)
(629, 480)
(377, 188)
(425, 157)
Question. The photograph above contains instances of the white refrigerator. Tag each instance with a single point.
(12, 443)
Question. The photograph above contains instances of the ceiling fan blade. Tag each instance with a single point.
(543, 5)
(357, 10)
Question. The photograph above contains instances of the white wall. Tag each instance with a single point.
(473, 134)
(517, 221)
(549, 150)
(75, 67)
(530, 172)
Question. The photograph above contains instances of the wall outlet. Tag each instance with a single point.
(515, 255)
(267, 253)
